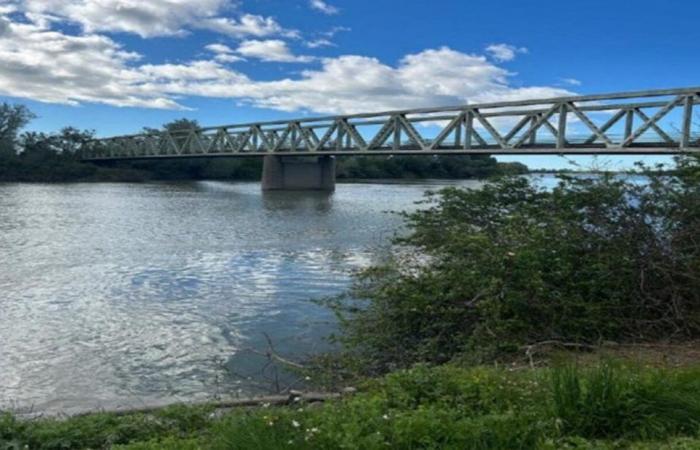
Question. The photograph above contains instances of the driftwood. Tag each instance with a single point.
(272, 355)
(293, 398)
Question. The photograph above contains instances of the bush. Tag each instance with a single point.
(484, 272)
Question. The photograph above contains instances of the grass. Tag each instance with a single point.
(606, 406)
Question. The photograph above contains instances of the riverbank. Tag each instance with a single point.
(47, 166)
(603, 404)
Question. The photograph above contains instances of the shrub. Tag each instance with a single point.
(485, 272)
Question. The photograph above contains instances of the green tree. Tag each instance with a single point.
(12, 119)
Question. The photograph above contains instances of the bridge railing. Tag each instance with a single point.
(658, 121)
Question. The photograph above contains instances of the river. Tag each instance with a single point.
(123, 295)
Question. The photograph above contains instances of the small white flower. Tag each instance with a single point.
(385, 417)
(295, 424)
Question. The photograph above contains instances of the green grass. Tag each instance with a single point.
(608, 406)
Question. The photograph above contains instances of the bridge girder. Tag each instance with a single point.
(647, 122)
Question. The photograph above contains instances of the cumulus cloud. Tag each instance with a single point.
(247, 25)
(53, 66)
(571, 81)
(270, 50)
(148, 18)
(322, 6)
(323, 39)
(352, 83)
(223, 53)
(504, 52)
(219, 48)
(318, 43)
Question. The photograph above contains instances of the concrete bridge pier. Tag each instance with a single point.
(298, 173)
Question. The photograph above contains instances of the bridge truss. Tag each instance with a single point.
(647, 122)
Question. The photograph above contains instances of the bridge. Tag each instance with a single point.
(631, 123)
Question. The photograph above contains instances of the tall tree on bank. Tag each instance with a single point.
(12, 119)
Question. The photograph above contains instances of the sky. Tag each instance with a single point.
(116, 66)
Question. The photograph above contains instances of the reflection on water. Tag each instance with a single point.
(289, 201)
(129, 294)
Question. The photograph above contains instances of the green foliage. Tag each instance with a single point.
(602, 407)
(606, 402)
(483, 273)
(101, 430)
(438, 166)
(55, 157)
(12, 119)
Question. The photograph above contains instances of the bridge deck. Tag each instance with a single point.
(648, 122)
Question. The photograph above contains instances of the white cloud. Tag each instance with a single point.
(52, 66)
(323, 39)
(225, 58)
(318, 43)
(223, 53)
(219, 48)
(7, 9)
(247, 25)
(322, 6)
(270, 50)
(504, 52)
(149, 18)
(571, 81)
(335, 30)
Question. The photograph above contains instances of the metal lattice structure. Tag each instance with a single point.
(648, 122)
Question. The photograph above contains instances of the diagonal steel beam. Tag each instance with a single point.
(596, 131)
(540, 121)
(492, 131)
(382, 135)
(327, 136)
(654, 126)
(451, 126)
(411, 132)
(606, 126)
(516, 129)
(353, 134)
(649, 122)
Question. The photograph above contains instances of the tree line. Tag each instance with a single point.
(51, 157)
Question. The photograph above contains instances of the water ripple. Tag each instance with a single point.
(118, 294)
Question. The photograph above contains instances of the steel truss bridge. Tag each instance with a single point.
(644, 122)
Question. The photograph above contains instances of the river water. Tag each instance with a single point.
(123, 295)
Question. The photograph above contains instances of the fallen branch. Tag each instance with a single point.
(293, 398)
(272, 354)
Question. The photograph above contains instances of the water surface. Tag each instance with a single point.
(115, 295)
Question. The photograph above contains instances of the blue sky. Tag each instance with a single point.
(118, 65)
